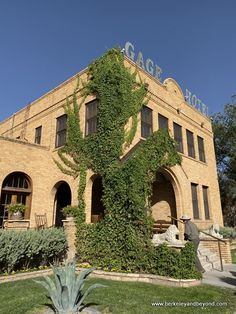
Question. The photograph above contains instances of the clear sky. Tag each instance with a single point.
(44, 42)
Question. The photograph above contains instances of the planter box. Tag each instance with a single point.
(16, 224)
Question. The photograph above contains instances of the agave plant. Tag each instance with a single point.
(66, 291)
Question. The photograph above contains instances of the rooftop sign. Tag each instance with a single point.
(196, 103)
(148, 65)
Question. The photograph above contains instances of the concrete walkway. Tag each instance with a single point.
(226, 279)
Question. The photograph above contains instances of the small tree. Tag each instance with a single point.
(224, 127)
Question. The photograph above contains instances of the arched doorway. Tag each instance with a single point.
(62, 199)
(163, 202)
(16, 188)
(97, 207)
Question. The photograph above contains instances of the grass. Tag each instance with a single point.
(233, 254)
(27, 297)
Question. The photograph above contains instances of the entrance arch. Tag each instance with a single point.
(97, 207)
(16, 188)
(163, 201)
(62, 199)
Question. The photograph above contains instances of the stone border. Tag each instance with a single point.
(146, 278)
(26, 275)
(133, 277)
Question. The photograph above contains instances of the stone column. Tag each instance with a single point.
(70, 230)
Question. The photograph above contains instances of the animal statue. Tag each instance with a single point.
(167, 237)
(214, 230)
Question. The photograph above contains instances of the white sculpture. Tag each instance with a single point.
(214, 230)
(168, 237)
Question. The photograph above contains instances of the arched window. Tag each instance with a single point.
(16, 188)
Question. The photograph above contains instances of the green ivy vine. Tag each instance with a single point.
(124, 234)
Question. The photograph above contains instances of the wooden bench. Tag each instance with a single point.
(160, 226)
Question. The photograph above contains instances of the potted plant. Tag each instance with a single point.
(16, 210)
(70, 212)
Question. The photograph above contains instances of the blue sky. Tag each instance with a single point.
(43, 43)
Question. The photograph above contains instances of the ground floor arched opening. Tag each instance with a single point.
(16, 188)
(62, 199)
(163, 201)
(97, 206)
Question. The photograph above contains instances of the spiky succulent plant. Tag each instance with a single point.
(66, 291)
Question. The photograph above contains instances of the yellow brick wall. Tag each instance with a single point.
(37, 162)
(224, 248)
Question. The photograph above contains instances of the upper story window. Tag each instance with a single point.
(38, 134)
(201, 150)
(194, 188)
(206, 203)
(178, 137)
(61, 130)
(146, 122)
(190, 144)
(91, 117)
(162, 122)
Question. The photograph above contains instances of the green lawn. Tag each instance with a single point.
(27, 297)
(233, 253)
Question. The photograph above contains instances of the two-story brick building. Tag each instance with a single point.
(30, 138)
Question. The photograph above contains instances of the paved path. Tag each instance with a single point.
(226, 279)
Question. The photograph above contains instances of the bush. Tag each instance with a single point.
(31, 248)
(70, 211)
(228, 232)
(102, 248)
(17, 207)
(170, 262)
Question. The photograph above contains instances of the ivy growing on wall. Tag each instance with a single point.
(124, 234)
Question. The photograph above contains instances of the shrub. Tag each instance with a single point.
(70, 210)
(54, 245)
(31, 248)
(103, 249)
(228, 232)
(17, 207)
(170, 262)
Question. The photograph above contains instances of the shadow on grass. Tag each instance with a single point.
(84, 306)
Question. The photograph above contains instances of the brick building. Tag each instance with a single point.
(30, 138)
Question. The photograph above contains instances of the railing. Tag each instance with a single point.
(218, 241)
(219, 248)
